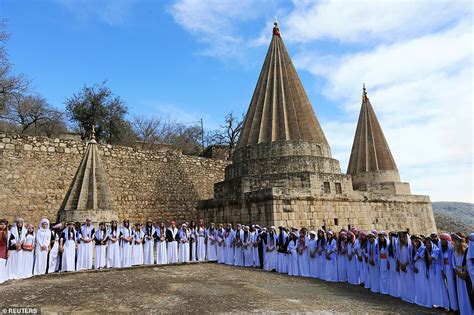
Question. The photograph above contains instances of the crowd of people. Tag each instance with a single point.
(431, 271)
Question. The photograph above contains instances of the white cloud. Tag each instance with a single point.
(366, 20)
(111, 12)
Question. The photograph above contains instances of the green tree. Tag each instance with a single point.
(97, 105)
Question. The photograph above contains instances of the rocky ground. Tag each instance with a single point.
(188, 288)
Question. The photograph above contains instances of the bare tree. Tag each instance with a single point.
(33, 115)
(11, 86)
(229, 133)
(147, 129)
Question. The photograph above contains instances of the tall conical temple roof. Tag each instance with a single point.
(280, 109)
(89, 193)
(370, 151)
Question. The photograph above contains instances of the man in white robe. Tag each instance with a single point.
(86, 236)
(172, 236)
(68, 246)
(126, 238)
(184, 251)
(161, 250)
(211, 236)
(255, 240)
(43, 240)
(247, 247)
(238, 249)
(15, 242)
(220, 240)
(113, 247)
(100, 239)
(282, 253)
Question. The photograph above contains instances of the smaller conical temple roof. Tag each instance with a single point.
(89, 194)
(280, 109)
(370, 151)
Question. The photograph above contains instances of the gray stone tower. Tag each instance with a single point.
(89, 194)
(371, 164)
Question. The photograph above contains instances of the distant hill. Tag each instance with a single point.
(454, 216)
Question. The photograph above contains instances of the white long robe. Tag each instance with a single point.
(342, 263)
(148, 245)
(351, 267)
(229, 249)
(85, 250)
(192, 244)
(271, 259)
(173, 246)
(313, 268)
(201, 243)
(439, 291)
(238, 249)
(422, 287)
(211, 245)
(331, 264)
(68, 261)
(125, 247)
(384, 275)
(374, 270)
(15, 258)
(293, 258)
(54, 254)
(282, 257)
(113, 249)
(407, 278)
(161, 251)
(303, 258)
(43, 238)
(248, 250)
(321, 259)
(220, 247)
(184, 252)
(256, 257)
(137, 248)
(447, 267)
(464, 303)
(100, 260)
(28, 257)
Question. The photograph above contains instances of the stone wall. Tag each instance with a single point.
(35, 174)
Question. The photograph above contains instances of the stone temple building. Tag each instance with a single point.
(282, 171)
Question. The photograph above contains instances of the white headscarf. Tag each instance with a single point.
(19, 237)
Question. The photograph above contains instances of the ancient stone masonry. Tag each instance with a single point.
(283, 172)
(35, 174)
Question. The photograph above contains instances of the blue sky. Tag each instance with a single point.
(192, 59)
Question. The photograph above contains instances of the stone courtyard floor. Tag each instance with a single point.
(204, 287)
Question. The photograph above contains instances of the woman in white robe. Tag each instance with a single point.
(331, 257)
(439, 291)
(113, 246)
(405, 268)
(351, 267)
(446, 252)
(54, 255)
(342, 257)
(161, 251)
(460, 259)
(211, 243)
(394, 275)
(321, 254)
(313, 267)
(137, 245)
(3, 250)
(68, 246)
(229, 245)
(86, 235)
(255, 240)
(100, 238)
(126, 239)
(201, 241)
(422, 288)
(373, 263)
(220, 241)
(303, 255)
(184, 252)
(192, 241)
(238, 249)
(383, 263)
(149, 243)
(270, 261)
(282, 251)
(293, 255)
(28, 253)
(43, 241)
(172, 237)
(15, 243)
(247, 247)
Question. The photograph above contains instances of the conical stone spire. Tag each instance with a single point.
(280, 109)
(371, 161)
(89, 194)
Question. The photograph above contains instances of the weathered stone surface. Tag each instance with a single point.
(161, 185)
